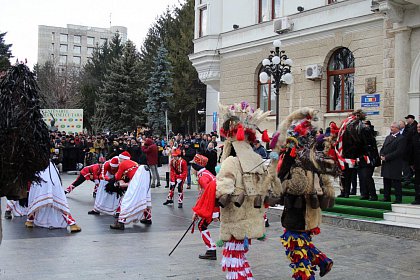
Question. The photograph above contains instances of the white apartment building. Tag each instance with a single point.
(74, 44)
(346, 54)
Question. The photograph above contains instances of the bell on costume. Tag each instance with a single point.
(239, 200)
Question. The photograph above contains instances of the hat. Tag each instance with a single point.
(200, 160)
(101, 159)
(410, 117)
(176, 153)
(124, 155)
(114, 162)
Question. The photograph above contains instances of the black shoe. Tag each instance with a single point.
(373, 199)
(340, 195)
(8, 215)
(209, 255)
(94, 194)
(117, 225)
(152, 186)
(93, 212)
(385, 200)
(169, 201)
(323, 270)
(415, 202)
(167, 186)
(158, 185)
(353, 193)
(397, 202)
(364, 198)
(146, 221)
(179, 205)
(188, 187)
(267, 224)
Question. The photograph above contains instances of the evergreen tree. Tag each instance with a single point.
(119, 98)
(93, 76)
(5, 53)
(159, 92)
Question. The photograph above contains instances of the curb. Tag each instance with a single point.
(364, 225)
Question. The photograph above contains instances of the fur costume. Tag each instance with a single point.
(304, 173)
(241, 187)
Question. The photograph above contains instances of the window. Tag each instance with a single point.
(77, 39)
(103, 41)
(277, 10)
(63, 48)
(89, 51)
(266, 95)
(77, 60)
(77, 49)
(269, 9)
(340, 75)
(90, 40)
(332, 1)
(202, 31)
(63, 38)
(63, 59)
(52, 47)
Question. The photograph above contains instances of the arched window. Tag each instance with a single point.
(340, 75)
(266, 95)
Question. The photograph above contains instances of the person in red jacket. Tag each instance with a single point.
(205, 206)
(91, 172)
(137, 201)
(178, 175)
(151, 151)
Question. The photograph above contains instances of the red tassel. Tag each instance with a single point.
(280, 163)
(265, 138)
(293, 152)
(240, 134)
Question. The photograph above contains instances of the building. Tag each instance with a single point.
(74, 44)
(346, 54)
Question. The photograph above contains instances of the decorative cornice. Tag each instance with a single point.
(393, 11)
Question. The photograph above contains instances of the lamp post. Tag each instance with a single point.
(277, 67)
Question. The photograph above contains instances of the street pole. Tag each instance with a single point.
(166, 125)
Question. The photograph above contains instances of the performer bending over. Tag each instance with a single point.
(136, 203)
(47, 204)
(92, 173)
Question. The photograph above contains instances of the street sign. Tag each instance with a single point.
(370, 100)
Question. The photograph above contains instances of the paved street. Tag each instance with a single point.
(141, 252)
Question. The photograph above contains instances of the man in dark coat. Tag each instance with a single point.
(392, 153)
(187, 153)
(415, 163)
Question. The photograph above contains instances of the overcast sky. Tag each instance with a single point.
(20, 19)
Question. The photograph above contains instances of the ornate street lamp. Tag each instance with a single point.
(277, 67)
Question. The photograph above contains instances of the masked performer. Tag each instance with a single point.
(304, 170)
(240, 190)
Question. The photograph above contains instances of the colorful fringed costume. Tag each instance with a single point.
(240, 189)
(304, 172)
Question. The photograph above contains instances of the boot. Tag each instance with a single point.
(75, 228)
(93, 212)
(117, 225)
(209, 255)
(29, 224)
(179, 205)
(146, 221)
(8, 215)
(168, 201)
(323, 270)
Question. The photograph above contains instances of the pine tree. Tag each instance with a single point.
(93, 76)
(5, 53)
(119, 98)
(159, 92)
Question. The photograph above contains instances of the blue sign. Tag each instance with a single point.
(214, 121)
(370, 100)
(372, 113)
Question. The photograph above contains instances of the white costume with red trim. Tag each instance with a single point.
(106, 203)
(47, 204)
(16, 209)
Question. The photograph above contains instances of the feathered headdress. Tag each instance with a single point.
(240, 121)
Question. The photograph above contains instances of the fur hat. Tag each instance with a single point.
(114, 162)
(124, 155)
